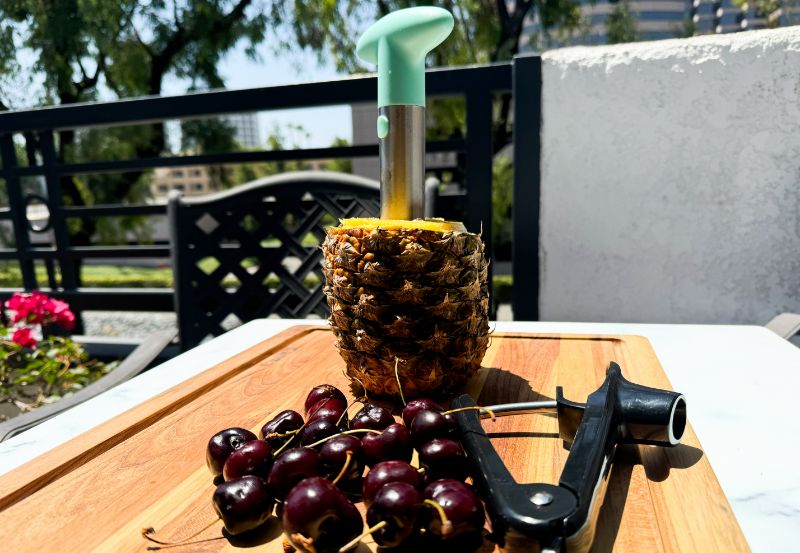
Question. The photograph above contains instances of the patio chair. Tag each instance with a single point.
(253, 251)
(786, 325)
(135, 363)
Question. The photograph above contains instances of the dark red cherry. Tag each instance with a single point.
(414, 406)
(389, 471)
(317, 430)
(334, 456)
(391, 444)
(321, 392)
(328, 408)
(283, 423)
(291, 467)
(428, 425)
(254, 457)
(224, 443)
(399, 504)
(373, 417)
(443, 458)
(243, 504)
(461, 505)
(318, 517)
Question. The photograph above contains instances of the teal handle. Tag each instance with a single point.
(398, 43)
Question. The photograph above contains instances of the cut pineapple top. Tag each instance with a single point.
(436, 225)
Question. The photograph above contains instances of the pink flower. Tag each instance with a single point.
(58, 312)
(22, 337)
(37, 308)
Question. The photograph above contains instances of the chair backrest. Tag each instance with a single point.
(254, 251)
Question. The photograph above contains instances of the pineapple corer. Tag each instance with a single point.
(408, 296)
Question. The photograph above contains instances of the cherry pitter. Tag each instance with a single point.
(550, 518)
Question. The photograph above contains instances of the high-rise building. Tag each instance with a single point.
(246, 130)
(601, 20)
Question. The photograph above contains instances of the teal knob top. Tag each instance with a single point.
(398, 43)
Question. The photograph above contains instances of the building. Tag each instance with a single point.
(246, 129)
(191, 181)
(657, 20)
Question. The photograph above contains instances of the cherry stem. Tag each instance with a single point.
(345, 433)
(355, 541)
(284, 435)
(476, 408)
(397, 377)
(447, 526)
(295, 433)
(346, 466)
(147, 533)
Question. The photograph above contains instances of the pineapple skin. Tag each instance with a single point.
(412, 296)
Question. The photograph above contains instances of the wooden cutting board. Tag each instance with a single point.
(146, 467)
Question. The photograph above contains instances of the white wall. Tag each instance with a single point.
(671, 180)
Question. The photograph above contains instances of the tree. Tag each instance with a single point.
(621, 23)
(123, 47)
(485, 31)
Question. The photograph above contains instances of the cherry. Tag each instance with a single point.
(328, 408)
(391, 444)
(334, 456)
(321, 392)
(388, 471)
(414, 406)
(291, 467)
(317, 430)
(428, 425)
(318, 517)
(243, 504)
(399, 505)
(373, 417)
(443, 458)
(254, 457)
(222, 444)
(283, 423)
(461, 506)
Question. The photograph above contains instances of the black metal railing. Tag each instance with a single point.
(477, 85)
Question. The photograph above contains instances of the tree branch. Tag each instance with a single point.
(183, 36)
(88, 82)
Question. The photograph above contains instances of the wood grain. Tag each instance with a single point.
(147, 466)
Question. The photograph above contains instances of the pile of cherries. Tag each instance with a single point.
(310, 472)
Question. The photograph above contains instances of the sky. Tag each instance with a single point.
(323, 124)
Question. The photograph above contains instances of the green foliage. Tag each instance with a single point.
(211, 136)
(621, 24)
(502, 200)
(485, 30)
(132, 44)
(503, 286)
(58, 366)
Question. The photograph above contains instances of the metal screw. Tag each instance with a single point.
(541, 498)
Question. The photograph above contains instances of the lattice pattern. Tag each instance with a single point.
(255, 251)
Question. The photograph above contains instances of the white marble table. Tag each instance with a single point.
(742, 385)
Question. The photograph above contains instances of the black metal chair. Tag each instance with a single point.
(253, 251)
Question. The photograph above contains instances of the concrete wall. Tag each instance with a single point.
(671, 180)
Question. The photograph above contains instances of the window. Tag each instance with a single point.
(180, 187)
(176, 173)
(197, 186)
(162, 188)
(196, 172)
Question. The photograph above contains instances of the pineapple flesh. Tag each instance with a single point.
(411, 295)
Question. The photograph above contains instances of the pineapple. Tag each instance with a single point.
(410, 295)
